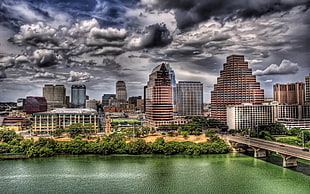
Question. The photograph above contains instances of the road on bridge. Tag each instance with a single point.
(277, 147)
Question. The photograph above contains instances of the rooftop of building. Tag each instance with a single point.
(74, 110)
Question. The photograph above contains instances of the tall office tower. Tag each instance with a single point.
(106, 98)
(189, 98)
(291, 93)
(34, 104)
(78, 96)
(159, 106)
(173, 84)
(121, 92)
(236, 85)
(307, 81)
(55, 95)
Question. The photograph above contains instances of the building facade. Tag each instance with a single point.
(121, 92)
(189, 98)
(78, 96)
(93, 104)
(55, 95)
(250, 116)
(159, 105)
(48, 122)
(236, 85)
(291, 93)
(307, 81)
(34, 104)
(105, 99)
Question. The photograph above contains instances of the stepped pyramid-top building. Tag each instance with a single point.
(235, 86)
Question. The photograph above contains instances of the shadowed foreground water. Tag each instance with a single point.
(229, 173)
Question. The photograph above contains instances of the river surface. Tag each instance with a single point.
(228, 173)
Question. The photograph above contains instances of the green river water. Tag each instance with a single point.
(228, 173)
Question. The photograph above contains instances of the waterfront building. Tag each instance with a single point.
(307, 81)
(189, 98)
(249, 116)
(235, 86)
(55, 96)
(33, 104)
(106, 98)
(291, 93)
(158, 94)
(78, 96)
(48, 122)
(121, 92)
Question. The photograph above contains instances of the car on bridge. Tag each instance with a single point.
(305, 149)
(282, 145)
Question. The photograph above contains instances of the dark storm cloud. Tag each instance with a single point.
(156, 35)
(191, 12)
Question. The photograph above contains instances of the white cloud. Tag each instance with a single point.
(79, 76)
(44, 75)
(286, 67)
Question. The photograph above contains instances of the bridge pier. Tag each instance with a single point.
(259, 153)
(288, 161)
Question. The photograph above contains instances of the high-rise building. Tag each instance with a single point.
(105, 99)
(307, 81)
(55, 95)
(236, 85)
(159, 105)
(189, 98)
(173, 85)
(78, 96)
(291, 93)
(34, 104)
(121, 92)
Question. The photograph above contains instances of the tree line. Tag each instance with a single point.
(109, 144)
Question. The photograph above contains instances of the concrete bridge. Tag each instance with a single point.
(288, 152)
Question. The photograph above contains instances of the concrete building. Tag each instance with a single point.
(121, 92)
(48, 122)
(189, 98)
(236, 85)
(250, 116)
(291, 93)
(34, 104)
(55, 96)
(159, 105)
(106, 98)
(307, 81)
(78, 96)
(14, 123)
(93, 104)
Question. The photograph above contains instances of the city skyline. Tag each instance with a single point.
(97, 43)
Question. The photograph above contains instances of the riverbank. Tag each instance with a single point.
(117, 144)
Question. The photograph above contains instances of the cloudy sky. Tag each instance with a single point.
(97, 42)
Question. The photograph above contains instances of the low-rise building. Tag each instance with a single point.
(47, 122)
(250, 116)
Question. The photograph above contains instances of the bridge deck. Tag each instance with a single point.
(281, 148)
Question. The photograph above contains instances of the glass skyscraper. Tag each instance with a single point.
(78, 96)
(189, 98)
